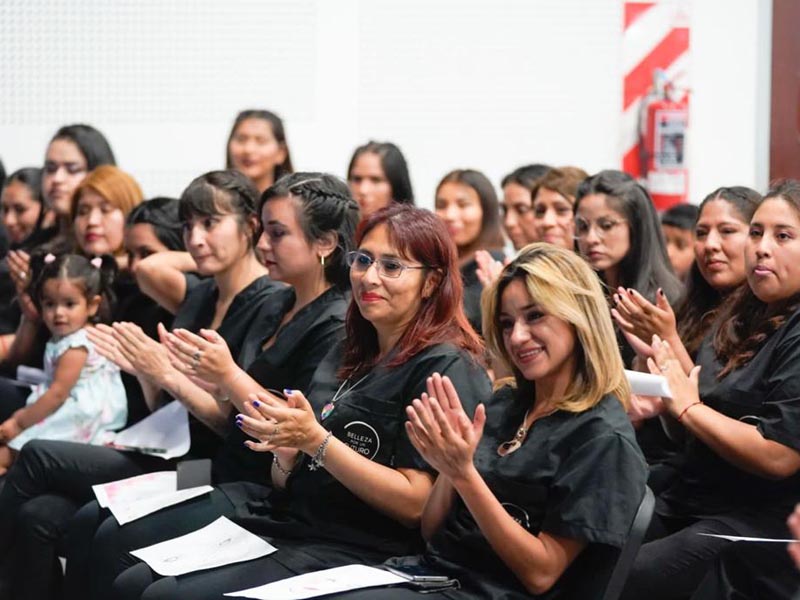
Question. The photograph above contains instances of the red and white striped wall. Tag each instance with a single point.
(655, 36)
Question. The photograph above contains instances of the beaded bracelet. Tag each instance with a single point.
(318, 460)
(683, 412)
(277, 464)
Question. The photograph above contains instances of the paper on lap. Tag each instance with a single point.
(647, 384)
(741, 538)
(218, 544)
(133, 489)
(321, 583)
(164, 433)
(126, 512)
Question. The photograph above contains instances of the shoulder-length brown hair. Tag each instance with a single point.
(491, 234)
(418, 235)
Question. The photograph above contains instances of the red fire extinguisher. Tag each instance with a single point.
(663, 133)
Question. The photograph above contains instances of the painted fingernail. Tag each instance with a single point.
(630, 290)
(256, 403)
(288, 391)
(239, 424)
(660, 292)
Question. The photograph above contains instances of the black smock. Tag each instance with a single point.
(316, 522)
(289, 362)
(473, 290)
(576, 475)
(711, 495)
(242, 322)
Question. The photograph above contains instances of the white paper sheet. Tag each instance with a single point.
(126, 512)
(740, 538)
(215, 545)
(164, 433)
(647, 384)
(321, 583)
(136, 488)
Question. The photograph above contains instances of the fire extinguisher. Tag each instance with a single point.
(663, 141)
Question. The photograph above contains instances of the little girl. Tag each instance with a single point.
(83, 395)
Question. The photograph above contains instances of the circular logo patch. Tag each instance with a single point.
(362, 438)
(518, 513)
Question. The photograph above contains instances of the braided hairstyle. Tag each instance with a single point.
(95, 277)
(746, 322)
(325, 205)
(699, 304)
(222, 193)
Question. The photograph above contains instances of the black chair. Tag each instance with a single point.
(631, 548)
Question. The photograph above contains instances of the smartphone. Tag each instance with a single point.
(417, 574)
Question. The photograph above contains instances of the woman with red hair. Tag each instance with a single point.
(346, 484)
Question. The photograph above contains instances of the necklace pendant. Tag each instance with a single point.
(327, 410)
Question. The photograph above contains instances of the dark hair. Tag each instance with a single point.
(681, 216)
(79, 269)
(490, 236)
(697, 308)
(162, 214)
(92, 144)
(418, 235)
(646, 266)
(2, 174)
(277, 130)
(745, 322)
(30, 177)
(394, 168)
(219, 193)
(324, 205)
(526, 176)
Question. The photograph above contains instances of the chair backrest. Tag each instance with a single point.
(628, 552)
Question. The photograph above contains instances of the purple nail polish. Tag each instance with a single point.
(287, 391)
(256, 403)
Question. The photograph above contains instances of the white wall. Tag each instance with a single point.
(490, 85)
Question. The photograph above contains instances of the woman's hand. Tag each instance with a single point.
(446, 441)
(277, 424)
(206, 356)
(9, 429)
(684, 388)
(488, 268)
(145, 355)
(641, 408)
(105, 342)
(637, 315)
(19, 268)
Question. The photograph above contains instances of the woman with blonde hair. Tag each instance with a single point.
(538, 491)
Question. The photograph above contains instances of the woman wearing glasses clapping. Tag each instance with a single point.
(347, 483)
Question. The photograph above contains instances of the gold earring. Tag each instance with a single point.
(322, 259)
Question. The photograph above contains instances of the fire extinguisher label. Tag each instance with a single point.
(670, 135)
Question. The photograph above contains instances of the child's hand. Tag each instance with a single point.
(9, 429)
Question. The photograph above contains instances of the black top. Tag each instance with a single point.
(473, 290)
(576, 475)
(197, 312)
(369, 416)
(289, 362)
(766, 393)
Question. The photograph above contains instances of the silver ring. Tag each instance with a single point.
(663, 367)
(23, 275)
(197, 355)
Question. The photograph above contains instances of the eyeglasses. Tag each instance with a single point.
(391, 268)
(603, 227)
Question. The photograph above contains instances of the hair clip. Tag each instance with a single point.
(97, 262)
(49, 257)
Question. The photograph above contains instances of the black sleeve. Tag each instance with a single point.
(780, 419)
(472, 384)
(596, 491)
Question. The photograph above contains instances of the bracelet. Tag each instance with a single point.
(318, 460)
(227, 397)
(277, 464)
(683, 412)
